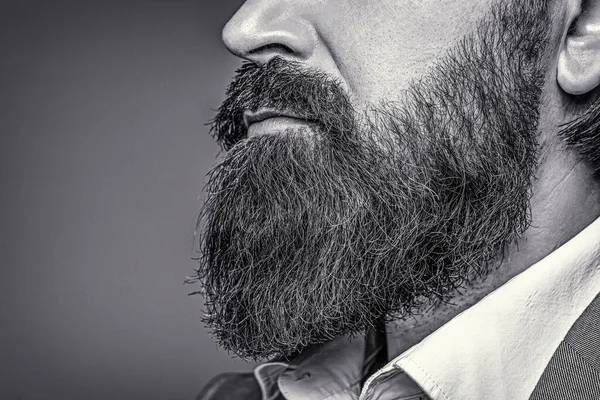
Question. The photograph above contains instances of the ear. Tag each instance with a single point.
(579, 58)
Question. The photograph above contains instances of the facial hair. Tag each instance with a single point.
(307, 237)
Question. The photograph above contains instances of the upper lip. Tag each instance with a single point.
(251, 117)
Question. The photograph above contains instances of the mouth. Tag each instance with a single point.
(273, 122)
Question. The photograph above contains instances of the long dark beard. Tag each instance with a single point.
(309, 237)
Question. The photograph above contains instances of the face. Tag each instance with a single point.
(379, 156)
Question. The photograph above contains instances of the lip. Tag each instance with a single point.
(264, 114)
(278, 126)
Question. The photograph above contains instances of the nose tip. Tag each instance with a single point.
(258, 33)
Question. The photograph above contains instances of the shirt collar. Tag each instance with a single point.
(331, 371)
(507, 337)
(510, 335)
(327, 371)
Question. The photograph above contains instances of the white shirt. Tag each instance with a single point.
(497, 349)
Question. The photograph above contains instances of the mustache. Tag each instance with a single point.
(284, 86)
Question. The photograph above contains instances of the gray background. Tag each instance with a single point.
(103, 157)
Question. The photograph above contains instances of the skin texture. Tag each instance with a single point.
(376, 62)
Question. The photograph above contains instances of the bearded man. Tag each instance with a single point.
(407, 205)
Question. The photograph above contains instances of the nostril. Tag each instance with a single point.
(272, 47)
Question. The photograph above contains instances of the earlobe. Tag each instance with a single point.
(579, 59)
(579, 65)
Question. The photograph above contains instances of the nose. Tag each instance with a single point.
(263, 29)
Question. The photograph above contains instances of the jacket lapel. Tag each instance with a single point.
(574, 370)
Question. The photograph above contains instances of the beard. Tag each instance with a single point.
(318, 232)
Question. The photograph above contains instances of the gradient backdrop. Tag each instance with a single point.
(103, 157)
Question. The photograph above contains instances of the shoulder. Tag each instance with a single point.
(231, 386)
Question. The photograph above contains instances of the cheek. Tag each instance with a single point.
(380, 46)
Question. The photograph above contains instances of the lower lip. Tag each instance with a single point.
(277, 126)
